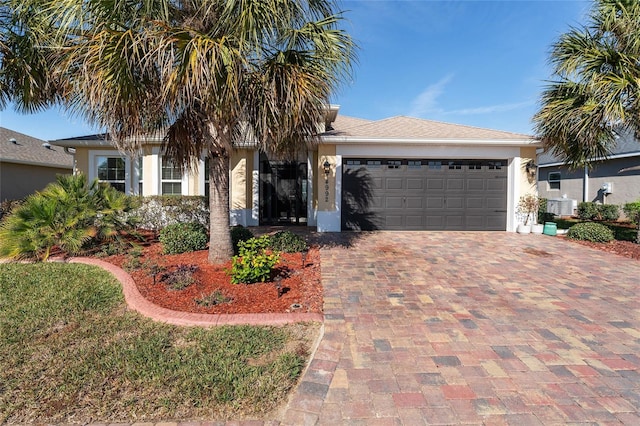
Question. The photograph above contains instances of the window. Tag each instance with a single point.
(475, 166)
(140, 175)
(414, 164)
(206, 177)
(435, 165)
(374, 164)
(495, 165)
(455, 165)
(171, 178)
(112, 171)
(554, 181)
(394, 164)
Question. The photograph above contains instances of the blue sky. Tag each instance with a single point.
(479, 63)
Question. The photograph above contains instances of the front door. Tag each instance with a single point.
(283, 192)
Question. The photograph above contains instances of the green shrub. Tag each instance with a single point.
(590, 231)
(255, 261)
(632, 211)
(609, 212)
(239, 233)
(183, 237)
(288, 242)
(69, 214)
(587, 210)
(594, 211)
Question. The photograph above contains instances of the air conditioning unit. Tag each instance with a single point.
(561, 206)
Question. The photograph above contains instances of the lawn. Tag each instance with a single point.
(70, 351)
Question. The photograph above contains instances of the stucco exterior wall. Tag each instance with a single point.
(527, 181)
(81, 161)
(19, 180)
(326, 185)
(240, 188)
(626, 185)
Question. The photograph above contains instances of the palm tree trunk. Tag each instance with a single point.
(220, 248)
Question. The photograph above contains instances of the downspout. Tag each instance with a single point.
(585, 185)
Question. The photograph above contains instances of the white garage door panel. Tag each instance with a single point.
(432, 194)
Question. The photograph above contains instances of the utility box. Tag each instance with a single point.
(607, 188)
(561, 206)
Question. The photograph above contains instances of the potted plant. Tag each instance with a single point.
(527, 206)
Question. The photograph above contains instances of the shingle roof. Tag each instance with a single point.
(627, 145)
(30, 150)
(402, 127)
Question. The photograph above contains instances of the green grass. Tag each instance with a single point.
(70, 351)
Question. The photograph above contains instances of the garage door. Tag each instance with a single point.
(424, 194)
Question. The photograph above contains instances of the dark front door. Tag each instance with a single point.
(283, 192)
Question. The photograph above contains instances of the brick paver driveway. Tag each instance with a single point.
(495, 328)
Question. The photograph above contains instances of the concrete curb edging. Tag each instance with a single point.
(138, 303)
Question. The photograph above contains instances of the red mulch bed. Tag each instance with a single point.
(623, 248)
(300, 286)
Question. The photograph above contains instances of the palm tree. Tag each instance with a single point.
(207, 74)
(597, 91)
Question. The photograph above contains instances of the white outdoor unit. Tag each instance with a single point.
(560, 206)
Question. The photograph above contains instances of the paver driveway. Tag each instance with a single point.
(495, 328)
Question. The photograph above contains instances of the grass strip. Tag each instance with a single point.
(70, 352)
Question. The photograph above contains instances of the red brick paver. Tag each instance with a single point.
(474, 328)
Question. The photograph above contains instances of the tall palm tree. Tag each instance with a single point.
(596, 94)
(208, 74)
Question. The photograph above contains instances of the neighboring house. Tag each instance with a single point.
(28, 164)
(397, 173)
(615, 180)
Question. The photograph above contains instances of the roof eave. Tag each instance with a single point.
(345, 140)
(611, 157)
(36, 163)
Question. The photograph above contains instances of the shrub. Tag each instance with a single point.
(288, 242)
(159, 211)
(527, 205)
(594, 211)
(255, 261)
(239, 233)
(69, 214)
(180, 278)
(587, 210)
(609, 212)
(590, 231)
(183, 237)
(632, 211)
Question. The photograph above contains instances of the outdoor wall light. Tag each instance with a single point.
(327, 169)
(531, 168)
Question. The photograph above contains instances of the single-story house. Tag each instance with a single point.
(615, 180)
(399, 173)
(28, 164)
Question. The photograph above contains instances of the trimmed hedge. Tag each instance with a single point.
(156, 212)
(590, 231)
(595, 211)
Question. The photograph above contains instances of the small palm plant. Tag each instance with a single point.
(66, 215)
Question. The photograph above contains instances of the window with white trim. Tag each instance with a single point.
(553, 181)
(111, 170)
(171, 178)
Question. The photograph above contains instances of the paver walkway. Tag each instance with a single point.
(475, 328)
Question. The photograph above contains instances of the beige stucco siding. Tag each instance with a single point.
(326, 185)
(81, 160)
(19, 180)
(241, 165)
(528, 182)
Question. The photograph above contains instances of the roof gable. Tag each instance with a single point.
(19, 148)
